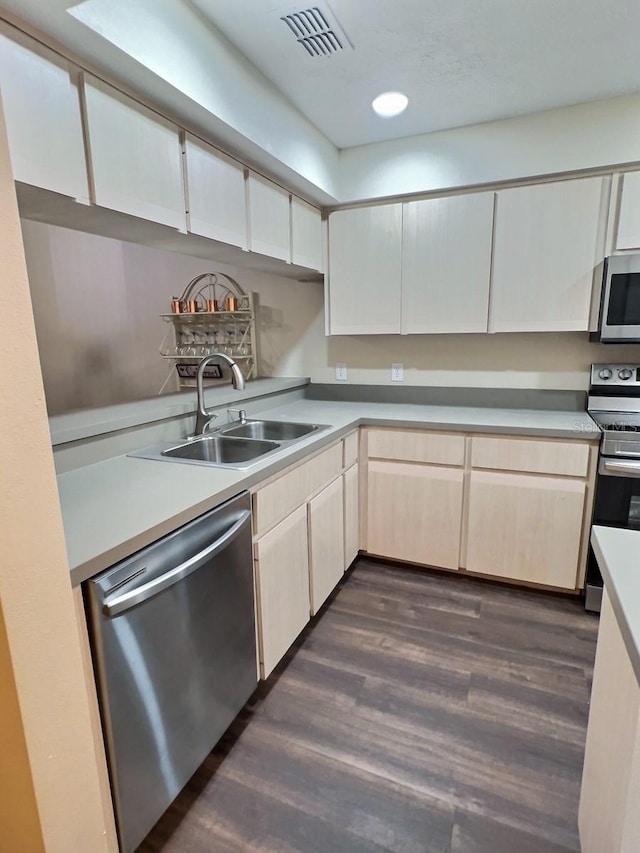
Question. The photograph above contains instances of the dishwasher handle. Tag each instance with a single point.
(120, 603)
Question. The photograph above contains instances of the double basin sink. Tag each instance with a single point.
(236, 446)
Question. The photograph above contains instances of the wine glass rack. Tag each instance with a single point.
(213, 314)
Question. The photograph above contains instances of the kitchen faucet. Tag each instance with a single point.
(203, 415)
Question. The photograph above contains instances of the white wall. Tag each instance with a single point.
(594, 135)
(549, 361)
(96, 303)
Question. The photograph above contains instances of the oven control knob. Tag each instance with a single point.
(605, 373)
(625, 373)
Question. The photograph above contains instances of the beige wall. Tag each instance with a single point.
(96, 303)
(49, 786)
(485, 361)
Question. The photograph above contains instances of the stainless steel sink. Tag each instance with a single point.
(238, 445)
(220, 450)
(271, 430)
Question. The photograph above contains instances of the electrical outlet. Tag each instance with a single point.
(397, 372)
(341, 372)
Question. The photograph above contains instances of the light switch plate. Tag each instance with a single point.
(341, 372)
(397, 372)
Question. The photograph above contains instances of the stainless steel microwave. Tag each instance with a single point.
(620, 307)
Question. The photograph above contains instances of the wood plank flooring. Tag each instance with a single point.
(421, 712)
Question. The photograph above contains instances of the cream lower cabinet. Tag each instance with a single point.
(351, 515)
(608, 817)
(299, 523)
(512, 507)
(414, 512)
(326, 542)
(525, 527)
(282, 585)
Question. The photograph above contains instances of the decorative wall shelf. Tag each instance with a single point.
(214, 314)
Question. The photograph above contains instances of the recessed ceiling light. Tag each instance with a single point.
(390, 104)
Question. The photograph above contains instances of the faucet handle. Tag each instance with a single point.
(242, 414)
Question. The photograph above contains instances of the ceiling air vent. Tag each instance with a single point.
(318, 31)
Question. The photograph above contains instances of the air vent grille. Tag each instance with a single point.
(317, 32)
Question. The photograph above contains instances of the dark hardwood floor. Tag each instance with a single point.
(422, 712)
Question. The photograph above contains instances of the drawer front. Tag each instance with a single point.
(437, 448)
(350, 450)
(568, 458)
(277, 499)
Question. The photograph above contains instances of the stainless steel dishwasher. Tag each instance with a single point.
(174, 646)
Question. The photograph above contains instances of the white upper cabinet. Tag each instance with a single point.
(365, 267)
(135, 157)
(269, 218)
(42, 111)
(628, 233)
(216, 197)
(446, 264)
(548, 240)
(306, 235)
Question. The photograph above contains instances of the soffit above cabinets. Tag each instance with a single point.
(460, 63)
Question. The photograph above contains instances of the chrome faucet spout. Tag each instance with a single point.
(203, 415)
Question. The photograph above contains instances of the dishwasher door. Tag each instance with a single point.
(174, 645)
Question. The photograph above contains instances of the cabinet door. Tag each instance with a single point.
(136, 157)
(216, 197)
(306, 234)
(547, 243)
(269, 218)
(608, 818)
(628, 233)
(42, 111)
(365, 264)
(525, 527)
(282, 586)
(326, 542)
(414, 512)
(351, 516)
(446, 264)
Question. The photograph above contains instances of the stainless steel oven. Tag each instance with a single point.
(617, 504)
(620, 307)
(614, 404)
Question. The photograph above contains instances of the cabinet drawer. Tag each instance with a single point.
(350, 450)
(438, 448)
(277, 499)
(570, 458)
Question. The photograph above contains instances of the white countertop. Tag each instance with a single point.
(113, 508)
(618, 555)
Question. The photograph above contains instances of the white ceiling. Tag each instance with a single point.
(460, 61)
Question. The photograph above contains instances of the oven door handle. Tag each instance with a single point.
(120, 603)
(612, 466)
